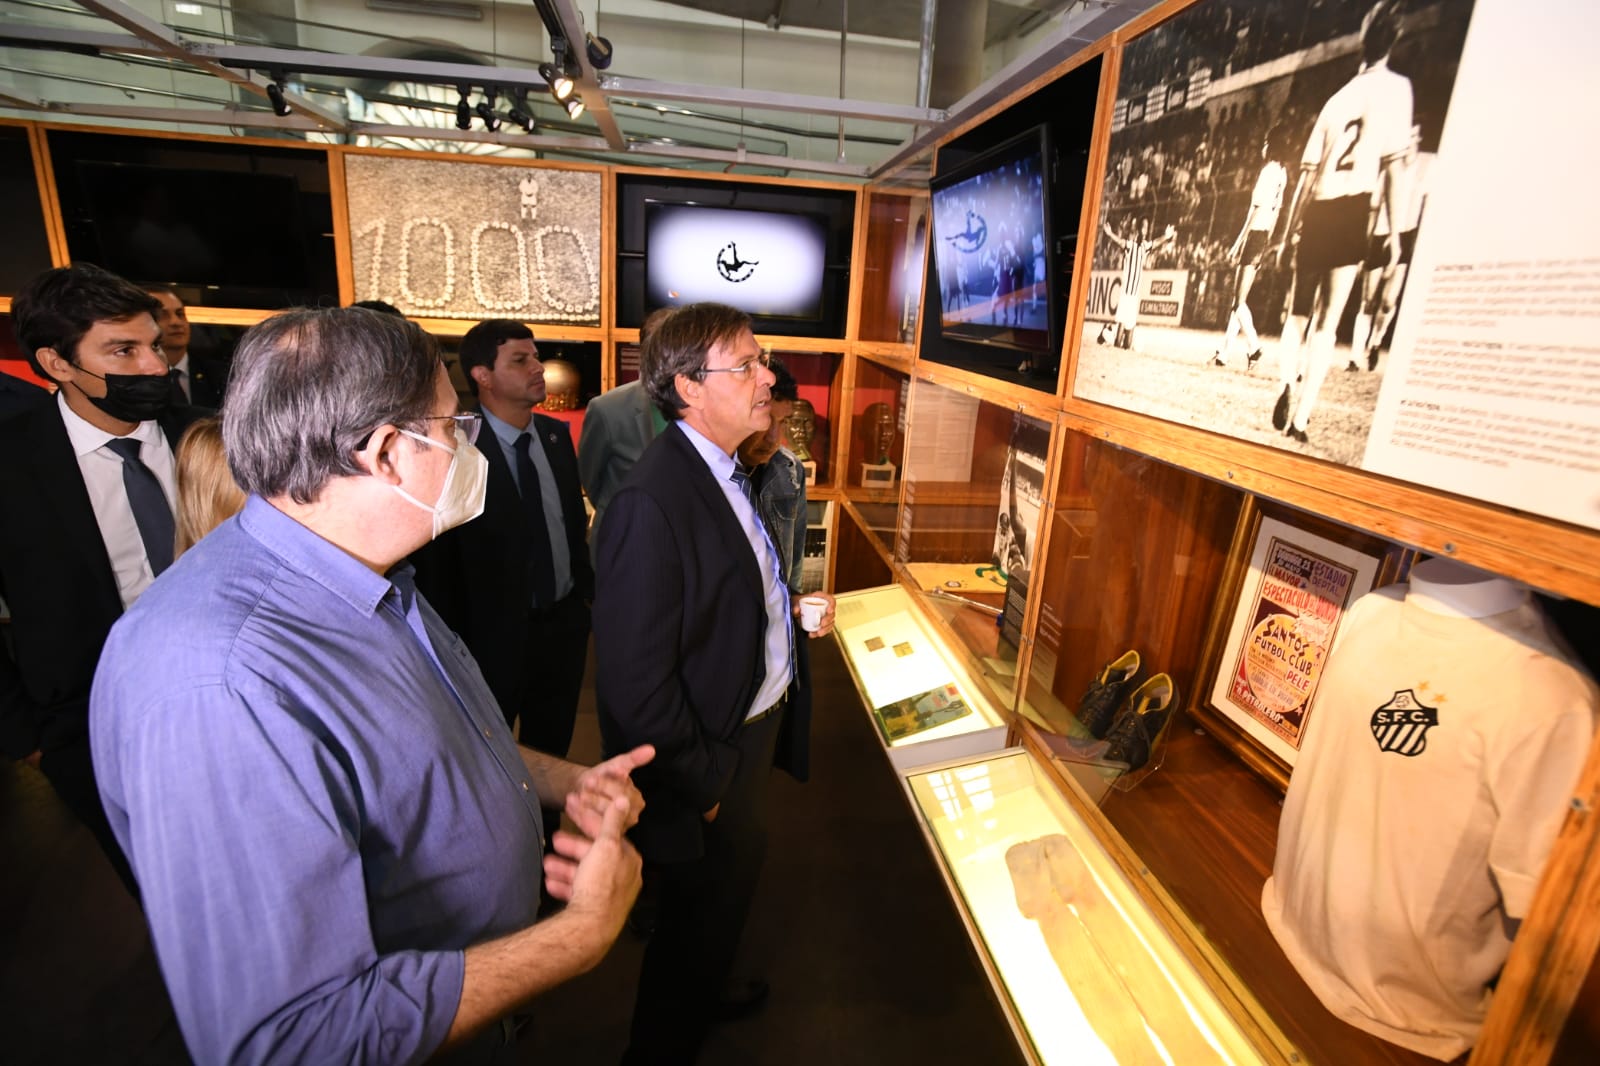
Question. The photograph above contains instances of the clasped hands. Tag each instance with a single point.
(596, 869)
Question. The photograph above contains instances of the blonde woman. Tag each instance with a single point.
(207, 493)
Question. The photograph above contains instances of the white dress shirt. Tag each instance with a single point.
(779, 656)
(102, 476)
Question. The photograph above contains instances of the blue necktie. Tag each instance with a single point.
(741, 477)
(151, 511)
(541, 570)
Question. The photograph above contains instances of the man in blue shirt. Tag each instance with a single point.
(337, 839)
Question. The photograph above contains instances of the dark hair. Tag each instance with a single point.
(168, 290)
(481, 345)
(308, 386)
(680, 346)
(58, 307)
(1379, 31)
(786, 388)
(381, 306)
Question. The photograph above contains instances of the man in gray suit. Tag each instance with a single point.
(617, 427)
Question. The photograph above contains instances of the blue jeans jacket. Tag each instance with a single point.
(781, 499)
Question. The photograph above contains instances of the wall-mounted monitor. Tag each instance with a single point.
(196, 227)
(781, 253)
(769, 264)
(993, 247)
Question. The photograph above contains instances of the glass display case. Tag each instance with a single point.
(897, 240)
(1087, 970)
(923, 703)
(967, 530)
(876, 448)
(26, 249)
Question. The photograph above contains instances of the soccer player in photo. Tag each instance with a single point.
(1250, 249)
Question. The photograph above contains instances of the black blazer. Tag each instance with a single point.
(475, 577)
(55, 574)
(17, 395)
(680, 627)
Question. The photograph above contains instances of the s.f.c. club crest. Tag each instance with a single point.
(1402, 724)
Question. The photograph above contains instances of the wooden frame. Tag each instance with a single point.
(1290, 579)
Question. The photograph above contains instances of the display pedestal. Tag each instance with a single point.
(878, 475)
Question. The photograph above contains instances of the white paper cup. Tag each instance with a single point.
(812, 608)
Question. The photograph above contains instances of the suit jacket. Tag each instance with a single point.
(17, 395)
(55, 574)
(680, 627)
(617, 427)
(475, 577)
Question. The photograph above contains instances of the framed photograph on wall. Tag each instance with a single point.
(1291, 578)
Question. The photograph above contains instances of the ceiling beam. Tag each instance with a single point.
(169, 44)
(767, 100)
(227, 115)
(753, 159)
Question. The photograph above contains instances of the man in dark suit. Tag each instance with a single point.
(86, 513)
(196, 381)
(516, 583)
(694, 638)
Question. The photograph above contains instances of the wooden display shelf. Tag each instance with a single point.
(1205, 828)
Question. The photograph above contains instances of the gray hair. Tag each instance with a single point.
(680, 345)
(309, 386)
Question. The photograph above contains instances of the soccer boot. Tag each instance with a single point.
(1140, 724)
(1298, 435)
(1252, 359)
(1280, 410)
(1216, 360)
(1099, 703)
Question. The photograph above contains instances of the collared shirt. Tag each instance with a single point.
(549, 495)
(318, 795)
(778, 658)
(102, 476)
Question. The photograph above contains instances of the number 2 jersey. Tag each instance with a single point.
(1364, 123)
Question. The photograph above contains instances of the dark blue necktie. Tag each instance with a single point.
(741, 477)
(151, 511)
(541, 570)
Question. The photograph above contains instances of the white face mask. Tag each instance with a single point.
(465, 484)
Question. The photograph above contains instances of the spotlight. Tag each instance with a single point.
(464, 108)
(519, 117)
(485, 109)
(599, 50)
(280, 106)
(574, 107)
(560, 84)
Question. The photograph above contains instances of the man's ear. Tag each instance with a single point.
(379, 457)
(55, 366)
(479, 374)
(688, 389)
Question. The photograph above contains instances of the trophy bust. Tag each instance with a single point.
(800, 426)
(879, 471)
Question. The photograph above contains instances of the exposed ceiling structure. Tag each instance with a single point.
(770, 86)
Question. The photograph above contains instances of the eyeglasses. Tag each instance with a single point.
(744, 369)
(469, 423)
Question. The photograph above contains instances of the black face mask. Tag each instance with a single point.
(131, 397)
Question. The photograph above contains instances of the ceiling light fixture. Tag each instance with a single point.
(280, 106)
(464, 108)
(574, 107)
(518, 116)
(560, 84)
(485, 109)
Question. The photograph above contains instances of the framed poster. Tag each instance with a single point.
(1290, 580)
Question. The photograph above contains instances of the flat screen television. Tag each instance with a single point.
(993, 248)
(216, 228)
(769, 264)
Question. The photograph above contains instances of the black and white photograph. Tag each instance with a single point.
(1265, 187)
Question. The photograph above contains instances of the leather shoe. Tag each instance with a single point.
(741, 999)
(1098, 707)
